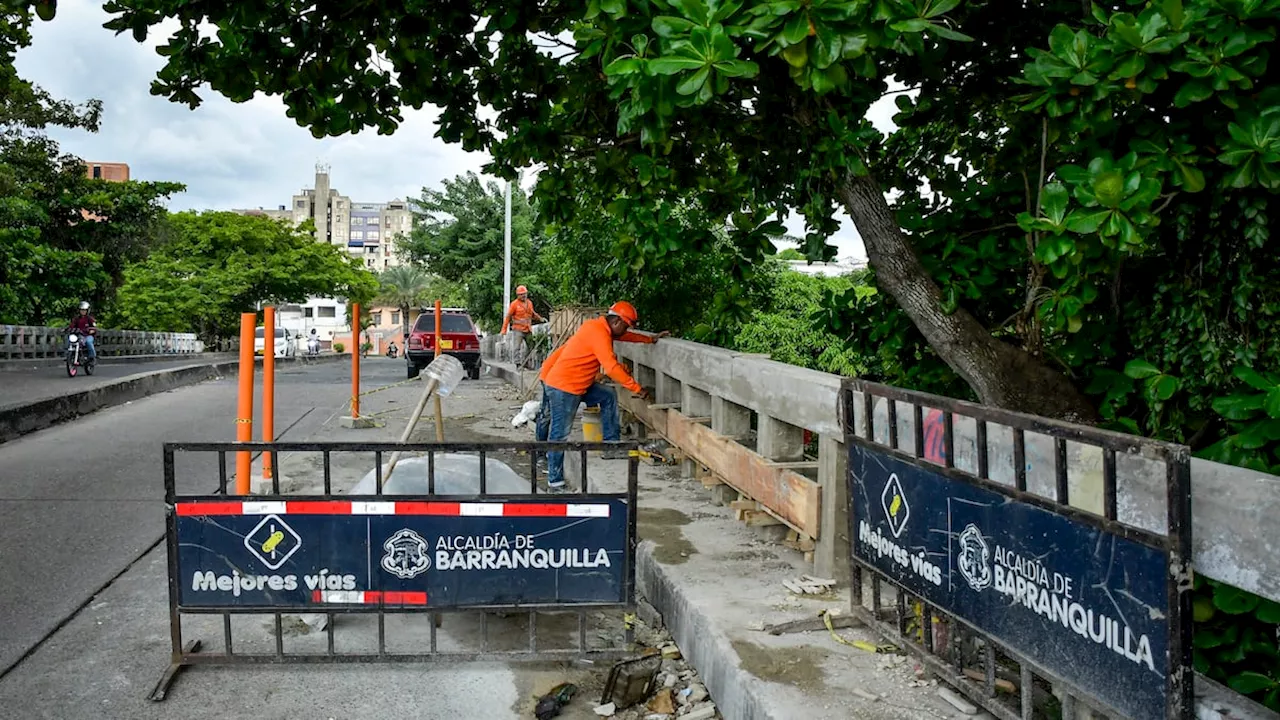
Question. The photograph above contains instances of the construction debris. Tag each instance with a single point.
(813, 624)
(809, 585)
(549, 705)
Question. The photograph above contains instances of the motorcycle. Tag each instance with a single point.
(78, 356)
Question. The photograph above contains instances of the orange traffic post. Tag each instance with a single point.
(244, 405)
(355, 361)
(439, 408)
(268, 384)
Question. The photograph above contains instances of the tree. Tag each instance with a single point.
(458, 236)
(751, 109)
(404, 287)
(220, 264)
(51, 256)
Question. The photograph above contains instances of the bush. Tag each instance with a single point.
(339, 347)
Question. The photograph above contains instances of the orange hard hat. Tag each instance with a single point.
(520, 289)
(626, 311)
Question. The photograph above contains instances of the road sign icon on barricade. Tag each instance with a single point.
(510, 561)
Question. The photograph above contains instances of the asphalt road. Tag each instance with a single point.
(81, 501)
(24, 386)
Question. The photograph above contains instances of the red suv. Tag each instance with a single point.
(458, 337)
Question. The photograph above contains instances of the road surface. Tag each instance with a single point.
(19, 387)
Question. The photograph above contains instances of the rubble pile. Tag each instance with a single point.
(678, 692)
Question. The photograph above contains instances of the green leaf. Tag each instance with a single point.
(737, 68)
(623, 66)
(1233, 600)
(1173, 11)
(1253, 378)
(1193, 91)
(1272, 403)
(940, 7)
(694, 82)
(669, 27)
(1191, 176)
(1140, 369)
(1054, 202)
(797, 55)
(1080, 221)
(797, 29)
(46, 9)
(672, 64)
(826, 47)
(947, 33)
(1249, 682)
(1268, 612)
(914, 25)
(1237, 407)
(1164, 387)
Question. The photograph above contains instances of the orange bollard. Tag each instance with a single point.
(355, 361)
(268, 384)
(244, 408)
(439, 408)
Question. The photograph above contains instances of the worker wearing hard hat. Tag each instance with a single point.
(519, 318)
(569, 379)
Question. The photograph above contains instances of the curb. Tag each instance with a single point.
(20, 420)
(37, 363)
(705, 647)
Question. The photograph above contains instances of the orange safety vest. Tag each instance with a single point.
(519, 316)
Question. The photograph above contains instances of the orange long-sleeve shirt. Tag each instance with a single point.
(520, 315)
(574, 366)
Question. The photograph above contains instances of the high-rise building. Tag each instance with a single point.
(369, 231)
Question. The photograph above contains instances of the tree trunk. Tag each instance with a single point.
(1000, 374)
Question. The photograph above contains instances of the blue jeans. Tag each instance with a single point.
(555, 420)
(88, 345)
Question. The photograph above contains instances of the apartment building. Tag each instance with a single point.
(112, 172)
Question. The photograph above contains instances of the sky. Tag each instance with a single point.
(246, 155)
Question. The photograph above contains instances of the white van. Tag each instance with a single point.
(286, 344)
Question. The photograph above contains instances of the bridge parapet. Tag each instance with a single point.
(1235, 537)
(26, 342)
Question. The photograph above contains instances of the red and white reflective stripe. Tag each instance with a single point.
(368, 597)
(346, 507)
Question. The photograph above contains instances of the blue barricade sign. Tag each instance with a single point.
(403, 553)
(1079, 601)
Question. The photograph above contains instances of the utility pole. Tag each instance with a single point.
(506, 250)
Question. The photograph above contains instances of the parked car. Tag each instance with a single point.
(286, 343)
(458, 337)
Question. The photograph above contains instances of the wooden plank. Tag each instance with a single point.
(760, 518)
(787, 494)
(797, 465)
(743, 505)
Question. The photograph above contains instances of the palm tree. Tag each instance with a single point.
(404, 287)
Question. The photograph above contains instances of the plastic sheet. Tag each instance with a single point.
(456, 474)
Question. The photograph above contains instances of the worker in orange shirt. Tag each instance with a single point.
(519, 318)
(569, 379)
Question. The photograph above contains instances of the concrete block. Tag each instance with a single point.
(831, 557)
(667, 390)
(778, 440)
(356, 423)
(729, 418)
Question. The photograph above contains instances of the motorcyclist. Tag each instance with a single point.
(85, 326)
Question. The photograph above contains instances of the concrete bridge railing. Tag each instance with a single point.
(26, 342)
(1236, 538)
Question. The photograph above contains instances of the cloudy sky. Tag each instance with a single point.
(243, 155)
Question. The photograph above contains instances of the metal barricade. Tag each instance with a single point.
(502, 559)
(1007, 587)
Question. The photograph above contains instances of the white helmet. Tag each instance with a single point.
(84, 305)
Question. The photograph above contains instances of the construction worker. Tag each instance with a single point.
(519, 317)
(569, 379)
